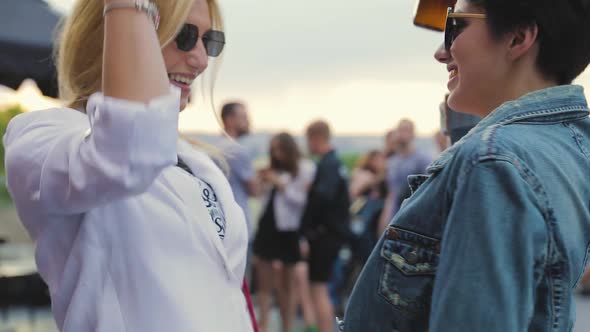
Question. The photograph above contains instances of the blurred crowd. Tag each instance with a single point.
(301, 261)
(318, 220)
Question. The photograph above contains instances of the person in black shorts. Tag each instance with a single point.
(276, 245)
(325, 223)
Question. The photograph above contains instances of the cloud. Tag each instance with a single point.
(361, 64)
(282, 42)
(359, 107)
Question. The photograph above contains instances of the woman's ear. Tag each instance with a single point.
(521, 40)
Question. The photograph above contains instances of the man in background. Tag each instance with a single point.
(407, 160)
(242, 177)
(325, 223)
(390, 143)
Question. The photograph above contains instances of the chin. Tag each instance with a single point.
(458, 103)
(452, 101)
(183, 105)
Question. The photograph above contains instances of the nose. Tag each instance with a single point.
(197, 57)
(442, 55)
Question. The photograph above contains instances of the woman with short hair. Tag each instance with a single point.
(495, 237)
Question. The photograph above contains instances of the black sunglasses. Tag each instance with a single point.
(188, 37)
(453, 28)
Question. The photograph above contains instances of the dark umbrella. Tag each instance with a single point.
(26, 44)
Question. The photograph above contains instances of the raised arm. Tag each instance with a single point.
(68, 162)
(133, 66)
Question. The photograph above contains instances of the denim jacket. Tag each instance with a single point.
(496, 236)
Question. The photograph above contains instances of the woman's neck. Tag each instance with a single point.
(518, 85)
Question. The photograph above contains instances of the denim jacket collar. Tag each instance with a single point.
(552, 105)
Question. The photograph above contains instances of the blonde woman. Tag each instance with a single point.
(126, 240)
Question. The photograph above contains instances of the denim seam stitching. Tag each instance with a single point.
(543, 201)
(578, 138)
(554, 111)
(547, 123)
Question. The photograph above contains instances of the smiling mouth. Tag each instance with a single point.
(453, 73)
(183, 80)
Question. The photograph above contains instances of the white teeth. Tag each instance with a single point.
(181, 79)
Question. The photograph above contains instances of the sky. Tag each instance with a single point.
(360, 65)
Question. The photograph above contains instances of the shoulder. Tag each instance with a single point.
(200, 159)
(48, 116)
(233, 149)
(335, 167)
(50, 119)
(500, 142)
(328, 164)
(499, 145)
(331, 159)
(307, 165)
(307, 169)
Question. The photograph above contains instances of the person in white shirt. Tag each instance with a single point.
(276, 248)
(126, 240)
(239, 156)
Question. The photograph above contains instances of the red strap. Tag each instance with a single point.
(250, 306)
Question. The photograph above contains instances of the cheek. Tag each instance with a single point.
(170, 56)
(478, 55)
(481, 69)
(478, 73)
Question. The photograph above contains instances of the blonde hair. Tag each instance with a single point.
(79, 56)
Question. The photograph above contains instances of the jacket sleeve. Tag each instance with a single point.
(69, 163)
(325, 187)
(494, 242)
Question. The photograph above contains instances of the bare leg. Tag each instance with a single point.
(323, 306)
(280, 285)
(287, 300)
(303, 293)
(264, 278)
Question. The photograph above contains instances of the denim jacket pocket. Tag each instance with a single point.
(410, 262)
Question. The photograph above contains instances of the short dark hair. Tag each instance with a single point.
(229, 110)
(564, 31)
(319, 128)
